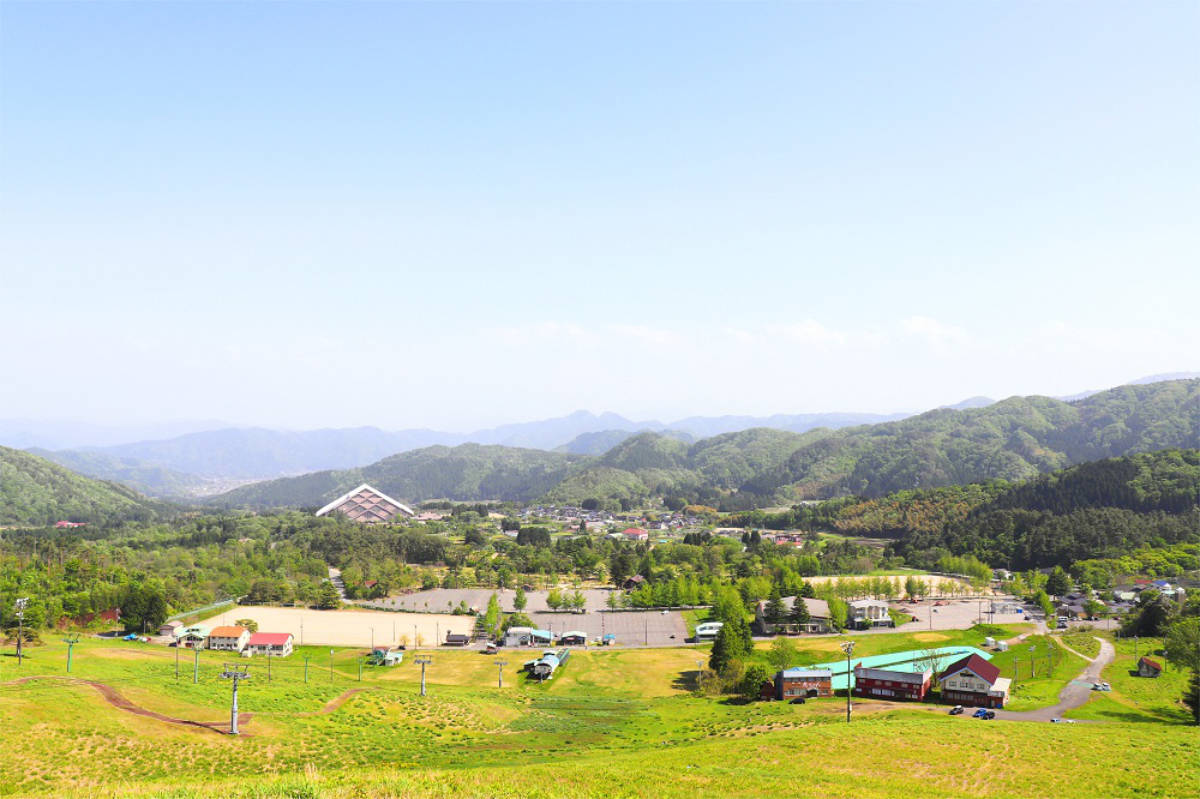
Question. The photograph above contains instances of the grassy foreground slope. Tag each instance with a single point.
(612, 723)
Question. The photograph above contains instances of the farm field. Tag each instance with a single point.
(611, 723)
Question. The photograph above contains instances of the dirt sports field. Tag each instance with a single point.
(349, 627)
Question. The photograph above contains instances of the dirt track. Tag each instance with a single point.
(114, 698)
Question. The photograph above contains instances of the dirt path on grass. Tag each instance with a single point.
(1077, 692)
(335, 703)
(114, 698)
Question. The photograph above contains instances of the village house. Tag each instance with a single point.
(863, 614)
(1148, 668)
(635, 534)
(971, 680)
(228, 638)
(273, 644)
(818, 611)
(636, 581)
(191, 637)
(797, 682)
(169, 628)
(888, 684)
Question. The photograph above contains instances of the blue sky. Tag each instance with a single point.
(504, 211)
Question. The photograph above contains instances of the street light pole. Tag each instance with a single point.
(500, 664)
(195, 663)
(848, 648)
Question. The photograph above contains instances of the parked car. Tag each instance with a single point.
(797, 701)
(988, 715)
(1062, 721)
(979, 711)
(956, 710)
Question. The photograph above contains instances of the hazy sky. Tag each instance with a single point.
(452, 215)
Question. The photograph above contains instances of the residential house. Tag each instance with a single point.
(1148, 668)
(169, 628)
(228, 638)
(636, 581)
(797, 682)
(971, 680)
(888, 684)
(635, 534)
(818, 611)
(863, 614)
(273, 644)
(191, 637)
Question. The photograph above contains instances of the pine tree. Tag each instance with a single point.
(519, 599)
(800, 615)
(774, 611)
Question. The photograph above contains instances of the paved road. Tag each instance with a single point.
(1076, 692)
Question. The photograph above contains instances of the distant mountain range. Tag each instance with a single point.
(204, 462)
(1011, 440)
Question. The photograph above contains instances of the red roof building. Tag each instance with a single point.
(971, 680)
(635, 534)
(275, 644)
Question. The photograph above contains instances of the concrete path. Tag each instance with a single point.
(1077, 692)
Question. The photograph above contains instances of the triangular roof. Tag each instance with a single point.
(976, 664)
(1154, 664)
(367, 504)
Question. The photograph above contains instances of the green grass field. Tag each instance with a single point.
(611, 723)
(1138, 699)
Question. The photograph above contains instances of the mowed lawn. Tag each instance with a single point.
(1138, 699)
(611, 723)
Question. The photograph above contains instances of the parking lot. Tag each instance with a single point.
(645, 628)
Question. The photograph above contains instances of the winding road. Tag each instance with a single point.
(1076, 693)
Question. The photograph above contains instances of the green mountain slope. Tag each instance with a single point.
(1011, 440)
(148, 478)
(466, 472)
(35, 491)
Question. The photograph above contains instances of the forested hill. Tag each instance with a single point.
(1011, 440)
(1104, 509)
(35, 492)
(465, 472)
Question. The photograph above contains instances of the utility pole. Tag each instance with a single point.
(331, 665)
(176, 660)
(1032, 672)
(268, 667)
(645, 631)
(848, 648)
(21, 603)
(306, 659)
(70, 641)
(424, 661)
(360, 660)
(235, 674)
(700, 675)
(372, 638)
(195, 664)
(500, 664)
(302, 632)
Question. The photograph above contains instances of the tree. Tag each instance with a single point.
(249, 624)
(800, 615)
(519, 599)
(774, 611)
(578, 600)
(491, 616)
(732, 643)
(614, 600)
(781, 654)
(1183, 649)
(807, 591)
(517, 620)
(554, 599)
(1058, 582)
(911, 587)
(752, 681)
(838, 611)
(533, 536)
(327, 597)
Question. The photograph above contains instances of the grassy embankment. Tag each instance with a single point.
(612, 723)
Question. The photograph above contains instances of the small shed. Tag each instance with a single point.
(1149, 668)
(457, 639)
(573, 638)
(169, 628)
